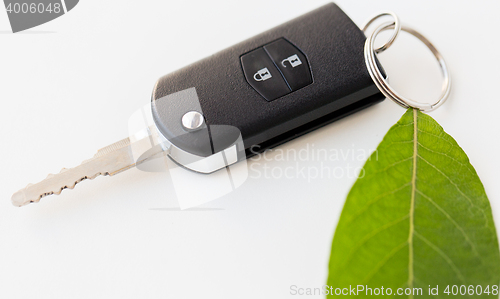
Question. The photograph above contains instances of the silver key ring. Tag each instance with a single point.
(382, 83)
(397, 29)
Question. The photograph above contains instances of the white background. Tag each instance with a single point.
(69, 86)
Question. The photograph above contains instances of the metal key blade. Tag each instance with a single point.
(109, 160)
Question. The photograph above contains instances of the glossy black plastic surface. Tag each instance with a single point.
(291, 62)
(340, 85)
(263, 75)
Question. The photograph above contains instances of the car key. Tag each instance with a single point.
(243, 100)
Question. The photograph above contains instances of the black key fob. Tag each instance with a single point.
(264, 91)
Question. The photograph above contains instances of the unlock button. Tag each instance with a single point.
(291, 62)
(263, 76)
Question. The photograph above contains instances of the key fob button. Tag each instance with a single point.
(291, 62)
(262, 75)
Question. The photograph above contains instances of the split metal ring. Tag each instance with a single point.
(382, 83)
(397, 29)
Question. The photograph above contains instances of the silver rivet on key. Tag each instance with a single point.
(192, 121)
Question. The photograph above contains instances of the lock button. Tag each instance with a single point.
(262, 74)
(291, 62)
(276, 69)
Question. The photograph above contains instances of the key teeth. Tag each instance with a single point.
(19, 198)
(110, 160)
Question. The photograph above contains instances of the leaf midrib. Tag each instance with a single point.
(412, 202)
(447, 196)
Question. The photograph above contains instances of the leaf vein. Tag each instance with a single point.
(387, 167)
(452, 221)
(443, 255)
(371, 235)
(450, 180)
(405, 125)
(435, 135)
(384, 261)
(373, 201)
(446, 155)
(412, 200)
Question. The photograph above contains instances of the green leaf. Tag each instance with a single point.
(419, 216)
